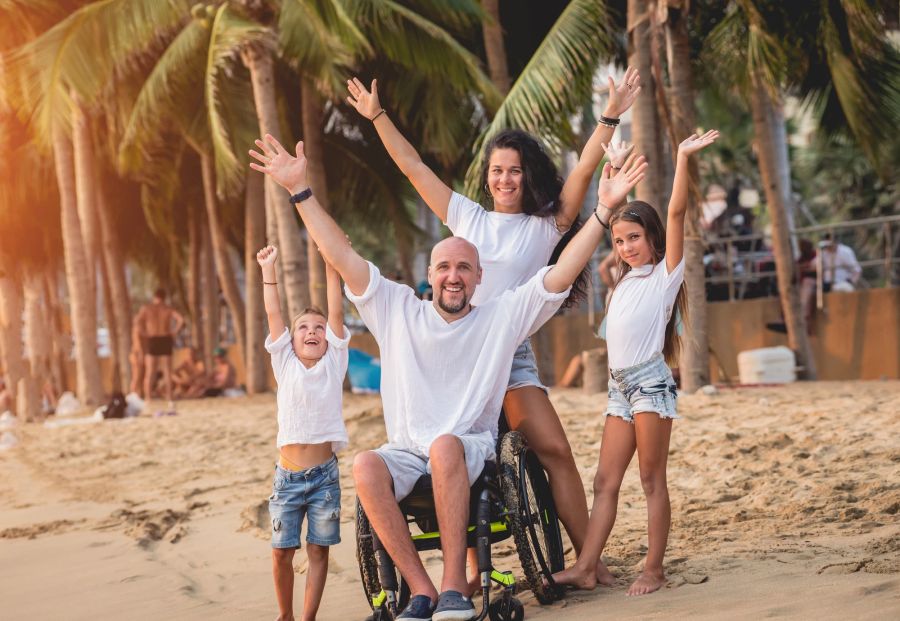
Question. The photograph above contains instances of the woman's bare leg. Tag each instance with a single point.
(616, 451)
(652, 434)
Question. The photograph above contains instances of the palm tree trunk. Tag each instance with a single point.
(59, 340)
(210, 295)
(85, 179)
(768, 126)
(254, 239)
(492, 30)
(11, 333)
(37, 341)
(78, 276)
(224, 267)
(694, 363)
(291, 248)
(111, 330)
(195, 277)
(646, 128)
(313, 113)
(403, 240)
(119, 299)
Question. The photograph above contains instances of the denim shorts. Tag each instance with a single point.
(314, 492)
(645, 387)
(524, 370)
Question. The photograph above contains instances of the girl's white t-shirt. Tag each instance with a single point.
(640, 307)
(512, 247)
(310, 400)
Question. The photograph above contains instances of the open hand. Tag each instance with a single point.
(365, 102)
(288, 171)
(617, 152)
(621, 96)
(267, 256)
(614, 188)
(694, 143)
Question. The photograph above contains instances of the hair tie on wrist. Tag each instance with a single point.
(269, 283)
(605, 120)
(380, 112)
(602, 223)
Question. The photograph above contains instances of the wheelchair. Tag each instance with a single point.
(511, 498)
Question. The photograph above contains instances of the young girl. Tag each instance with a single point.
(309, 362)
(534, 215)
(641, 340)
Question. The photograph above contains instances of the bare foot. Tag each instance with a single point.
(604, 576)
(647, 582)
(575, 577)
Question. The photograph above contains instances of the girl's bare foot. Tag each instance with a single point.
(604, 576)
(647, 582)
(577, 578)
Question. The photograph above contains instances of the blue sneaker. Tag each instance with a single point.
(453, 606)
(419, 608)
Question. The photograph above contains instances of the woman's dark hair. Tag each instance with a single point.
(645, 215)
(541, 188)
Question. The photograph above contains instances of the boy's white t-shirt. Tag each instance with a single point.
(640, 307)
(310, 400)
(512, 247)
(447, 378)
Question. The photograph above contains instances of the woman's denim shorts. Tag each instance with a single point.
(645, 387)
(314, 492)
(524, 370)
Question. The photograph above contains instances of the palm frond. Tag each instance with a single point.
(555, 81)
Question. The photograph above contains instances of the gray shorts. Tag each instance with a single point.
(524, 370)
(645, 387)
(407, 465)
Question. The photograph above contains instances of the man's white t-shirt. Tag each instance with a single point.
(512, 246)
(639, 310)
(840, 265)
(310, 400)
(447, 378)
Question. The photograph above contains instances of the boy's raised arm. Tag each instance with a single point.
(290, 173)
(266, 259)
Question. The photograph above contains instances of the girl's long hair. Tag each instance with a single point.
(643, 214)
(541, 188)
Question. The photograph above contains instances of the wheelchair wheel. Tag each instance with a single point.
(534, 521)
(365, 555)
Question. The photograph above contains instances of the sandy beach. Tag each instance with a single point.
(785, 504)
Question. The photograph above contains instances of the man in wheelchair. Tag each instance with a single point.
(445, 366)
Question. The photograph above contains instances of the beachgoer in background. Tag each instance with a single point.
(446, 365)
(158, 323)
(641, 339)
(806, 275)
(310, 362)
(840, 269)
(190, 377)
(223, 375)
(534, 216)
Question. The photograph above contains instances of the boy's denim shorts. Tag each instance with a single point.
(645, 387)
(314, 492)
(524, 370)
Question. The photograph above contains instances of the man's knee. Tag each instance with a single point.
(369, 471)
(446, 449)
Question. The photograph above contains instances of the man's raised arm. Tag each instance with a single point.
(290, 173)
(611, 191)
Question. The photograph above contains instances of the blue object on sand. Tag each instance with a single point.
(364, 371)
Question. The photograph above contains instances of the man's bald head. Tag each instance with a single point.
(454, 271)
(455, 246)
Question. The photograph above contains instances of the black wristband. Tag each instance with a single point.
(602, 223)
(605, 120)
(301, 196)
(380, 112)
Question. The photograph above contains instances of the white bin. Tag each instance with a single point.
(769, 365)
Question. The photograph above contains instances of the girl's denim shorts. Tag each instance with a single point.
(314, 493)
(645, 387)
(524, 370)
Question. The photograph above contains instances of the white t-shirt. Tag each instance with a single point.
(447, 378)
(840, 266)
(512, 246)
(639, 310)
(310, 400)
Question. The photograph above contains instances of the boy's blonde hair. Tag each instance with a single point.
(309, 310)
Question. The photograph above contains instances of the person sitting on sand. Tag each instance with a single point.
(641, 338)
(445, 370)
(310, 361)
(158, 323)
(223, 375)
(190, 376)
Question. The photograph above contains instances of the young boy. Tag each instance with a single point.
(309, 362)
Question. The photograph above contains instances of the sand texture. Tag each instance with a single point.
(785, 504)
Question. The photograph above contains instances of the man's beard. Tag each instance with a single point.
(455, 308)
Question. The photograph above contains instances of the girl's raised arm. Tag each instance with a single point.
(678, 202)
(621, 97)
(433, 191)
(266, 259)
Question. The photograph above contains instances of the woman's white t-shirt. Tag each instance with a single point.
(640, 307)
(310, 400)
(512, 247)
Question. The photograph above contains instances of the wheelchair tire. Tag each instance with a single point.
(534, 521)
(365, 555)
